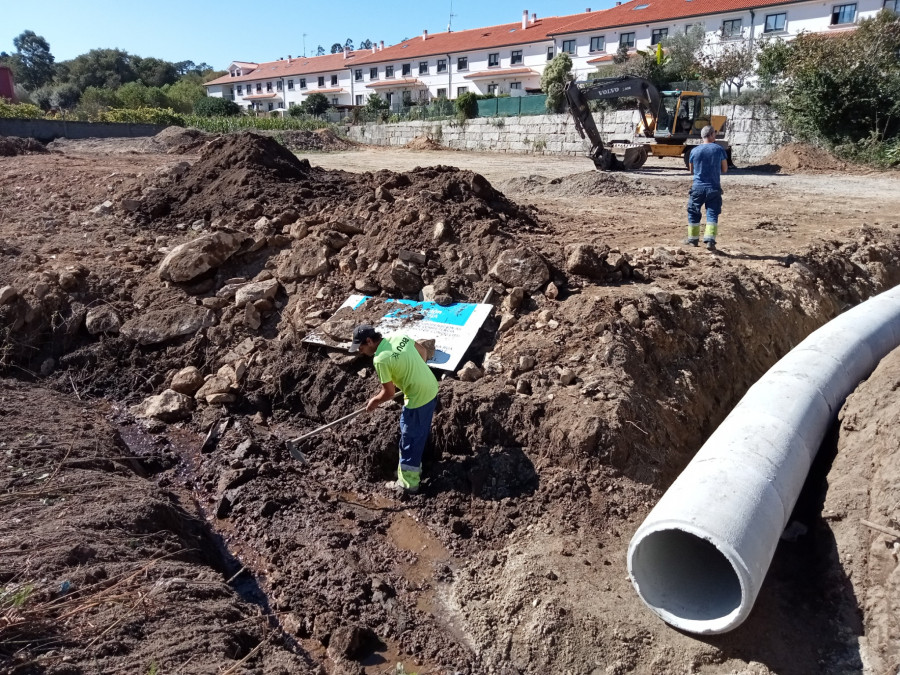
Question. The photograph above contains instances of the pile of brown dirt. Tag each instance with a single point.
(322, 140)
(10, 146)
(424, 143)
(180, 141)
(587, 184)
(804, 158)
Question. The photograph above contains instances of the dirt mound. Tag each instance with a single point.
(587, 184)
(323, 140)
(424, 143)
(10, 146)
(804, 158)
(180, 141)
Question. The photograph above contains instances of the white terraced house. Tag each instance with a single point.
(509, 58)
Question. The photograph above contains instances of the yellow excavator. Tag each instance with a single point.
(669, 125)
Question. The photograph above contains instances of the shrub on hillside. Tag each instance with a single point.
(20, 111)
(165, 116)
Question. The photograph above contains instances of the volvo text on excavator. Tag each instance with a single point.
(669, 124)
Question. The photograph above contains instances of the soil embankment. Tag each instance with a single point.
(147, 300)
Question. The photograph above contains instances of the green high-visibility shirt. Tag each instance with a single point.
(396, 360)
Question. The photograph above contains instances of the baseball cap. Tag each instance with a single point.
(360, 334)
(706, 131)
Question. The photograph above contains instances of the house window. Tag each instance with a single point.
(268, 86)
(687, 28)
(732, 28)
(303, 83)
(290, 85)
(515, 85)
(279, 86)
(658, 35)
(568, 46)
(493, 60)
(406, 69)
(423, 67)
(359, 99)
(240, 90)
(892, 5)
(334, 100)
(259, 87)
(373, 73)
(598, 43)
(550, 53)
(626, 40)
(271, 106)
(492, 88)
(334, 80)
(321, 81)
(462, 63)
(388, 71)
(515, 56)
(442, 93)
(843, 14)
(461, 90)
(775, 22)
(357, 75)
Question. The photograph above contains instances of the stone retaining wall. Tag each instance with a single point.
(49, 130)
(754, 131)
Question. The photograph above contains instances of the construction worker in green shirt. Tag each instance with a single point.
(400, 362)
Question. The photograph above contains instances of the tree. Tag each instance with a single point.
(772, 59)
(185, 93)
(375, 103)
(65, 96)
(154, 72)
(621, 55)
(212, 106)
(554, 79)
(32, 63)
(845, 89)
(315, 104)
(726, 63)
(320, 51)
(134, 95)
(365, 44)
(337, 48)
(108, 68)
(95, 100)
(467, 106)
(683, 50)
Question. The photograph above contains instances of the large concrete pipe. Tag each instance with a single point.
(700, 557)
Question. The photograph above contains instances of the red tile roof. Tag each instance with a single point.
(406, 82)
(260, 96)
(500, 72)
(441, 44)
(296, 66)
(628, 14)
(327, 91)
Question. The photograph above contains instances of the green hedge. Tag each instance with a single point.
(21, 111)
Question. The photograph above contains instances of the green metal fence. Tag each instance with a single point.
(513, 106)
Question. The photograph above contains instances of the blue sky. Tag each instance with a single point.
(220, 32)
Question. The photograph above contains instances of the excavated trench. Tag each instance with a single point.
(593, 397)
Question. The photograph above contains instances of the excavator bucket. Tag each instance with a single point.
(635, 156)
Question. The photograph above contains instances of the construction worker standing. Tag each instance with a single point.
(708, 162)
(400, 362)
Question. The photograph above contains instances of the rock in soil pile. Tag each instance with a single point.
(182, 295)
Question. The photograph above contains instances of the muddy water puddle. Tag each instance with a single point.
(410, 535)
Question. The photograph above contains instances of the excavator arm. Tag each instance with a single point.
(609, 88)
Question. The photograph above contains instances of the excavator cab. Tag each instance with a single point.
(681, 113)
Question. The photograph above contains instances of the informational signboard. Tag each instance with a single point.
(453, 328)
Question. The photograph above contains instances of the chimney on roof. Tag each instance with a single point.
(346, 51)
(524, 18)
(424, 34)
(381, 45)
(374, 48)
(587, 9)
(534, 17)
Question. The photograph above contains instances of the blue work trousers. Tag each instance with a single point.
(700, 197)
(415, 425)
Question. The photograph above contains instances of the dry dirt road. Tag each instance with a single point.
(128, 545)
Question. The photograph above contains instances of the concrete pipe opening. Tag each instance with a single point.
(686, 580)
